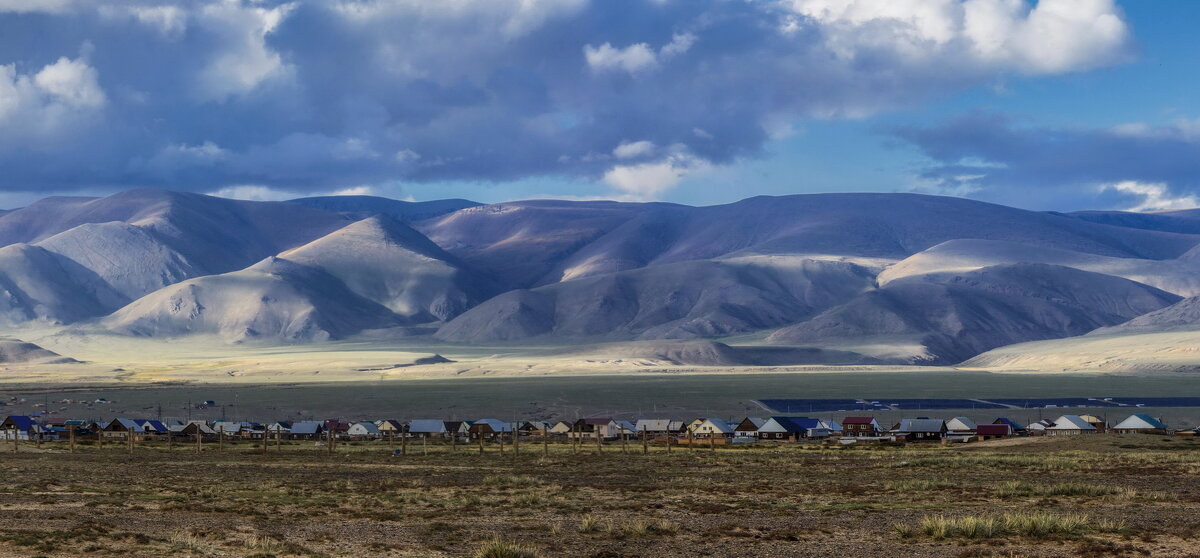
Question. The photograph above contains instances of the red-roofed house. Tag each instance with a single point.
(989, 431)
(860, 426)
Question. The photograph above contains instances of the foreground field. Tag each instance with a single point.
(1090, 496)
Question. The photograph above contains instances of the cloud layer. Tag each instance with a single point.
(1134, 166)
(315, 96)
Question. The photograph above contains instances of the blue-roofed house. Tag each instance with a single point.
(1140, 422)
(307, 430)
(20, 426)
(919, 429)
(792, 428)
(121, 428)
(1013, 425)
(364, 430)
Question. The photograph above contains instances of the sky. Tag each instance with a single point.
(1049, 105)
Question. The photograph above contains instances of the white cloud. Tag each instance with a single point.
(251, 192)
(246, 62)
(30, 6)
(41, 106)
(630, 150)
(362, 190)
(648, 181)
(1053, 36)
(632, 59)
(71, 82)
(637, 57)
(1154, 196)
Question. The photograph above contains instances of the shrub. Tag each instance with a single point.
(500, 548)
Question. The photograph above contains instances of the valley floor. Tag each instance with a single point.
(1130, 495)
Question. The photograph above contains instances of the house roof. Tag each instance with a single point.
(307, 427)
(993, 430)
(653, 425)
(427, 426)
(792, 424)
(496, 425)
(1141, 421)
(717, 425)
(756, 421)
(960, 423)
(858, 420)
(920, 425)
(369, 427)
(21, 422)
(1071, 422)
(1010, 422)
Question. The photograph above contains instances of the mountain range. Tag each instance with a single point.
(879, 278)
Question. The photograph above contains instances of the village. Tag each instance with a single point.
(598, 430)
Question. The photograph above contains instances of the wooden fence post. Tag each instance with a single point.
(129, 438)
(16, 436)
(516, 433)
(545, 440)
(624, 440)
(500, 437)
(404, 443)
(198, 442)
(221, 438)
(425, 444)
(596, 431)
(71, 435)
(454, 442)
(691, 440)
(329, 434)
(645, 444)
(480, 441)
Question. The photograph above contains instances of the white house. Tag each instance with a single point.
(363, 430)
(1070, 424)
(712, 428)
(427, 428)
(1140, 422)
(960, 425)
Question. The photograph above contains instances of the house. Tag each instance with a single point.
(604, 428)
(1097, 422)
(489, 428)
(427, 428)
(960, 425)
(792, 428)
(150, 426)
(712, 428)
(1070, 424)
(748, 427)
(625, 427)
(459, 428)
(21, 427)
(1013, 426)
(919, 429)
(990, 431)
(833, 426)
(1039, 428)
(121, 428)
(861, 427)
(560, 428)
(338, 427)
(307, 430)
(1140, 422)
(653, 425)
(197, 428)
(391, 428)
(363, 431)
(280, 428)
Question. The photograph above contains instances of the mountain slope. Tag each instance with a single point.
(213, 234)
(360, 207)
(956, 316)
(1181, 316)
(526, 244)
(385, 261)
(675, 301)
(1174, 276)
(273, 300)
(132, 260)
(41, 286)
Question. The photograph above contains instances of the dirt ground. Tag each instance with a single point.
(1132, 495)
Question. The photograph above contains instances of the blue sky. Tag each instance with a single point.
(1057, 104)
